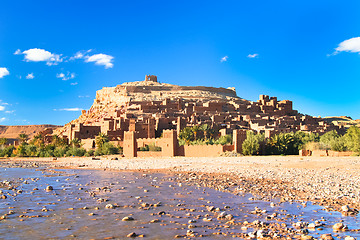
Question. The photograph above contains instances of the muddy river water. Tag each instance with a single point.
(96, 204)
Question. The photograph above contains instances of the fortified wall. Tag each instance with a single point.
(170, 147)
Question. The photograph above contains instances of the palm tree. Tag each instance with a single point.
(3, 141)
(187, 134)
(38, 140)
(58, 141)
(101, 139)
(212, 133)
(23, 137)
(205, 128)
(75, 143)
(195, 129)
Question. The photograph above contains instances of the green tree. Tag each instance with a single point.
(8, 151)
(75, 142)
(60, 151)
(3, 141)
(109, 149)
(74, 151)
(251, 144)
(332, 140)
(213, 133)
(195, 129)
(205, 128)
(21, 150)
(37, 140)
(31, 150)
(284, 144)
(223, 140)
(23, 138)
(352, 139)
(58, 141)
(187, 135)
(101, 139)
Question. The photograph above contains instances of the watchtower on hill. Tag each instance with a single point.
(150, 78)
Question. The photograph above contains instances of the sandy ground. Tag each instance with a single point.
(332, 181)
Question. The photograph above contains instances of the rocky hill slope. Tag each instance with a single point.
(109, 100)
(12, 132)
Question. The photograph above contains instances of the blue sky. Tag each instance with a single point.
(55, 55)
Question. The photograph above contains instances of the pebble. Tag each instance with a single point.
(339, 227)
(131, 235)
(128, 218)
(109, 206)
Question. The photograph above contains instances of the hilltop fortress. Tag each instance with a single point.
(148, 108)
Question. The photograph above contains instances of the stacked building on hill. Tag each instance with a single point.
(149, 107)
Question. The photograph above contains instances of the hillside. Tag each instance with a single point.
(12, 132)
(111, 100)
(344, 121)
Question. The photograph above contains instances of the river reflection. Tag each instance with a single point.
(91, 204)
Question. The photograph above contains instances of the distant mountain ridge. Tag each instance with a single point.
(12, 132)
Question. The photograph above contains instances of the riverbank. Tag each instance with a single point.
(330, 181)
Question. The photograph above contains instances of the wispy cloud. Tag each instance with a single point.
(2, 119)
(74, 83)
(2, 108)
(30, 76)
(40, 55)
(101, 59)
(4, 72)
(255, 55)
(224, 59)
(66, 76)
(69, 109)
(80, 54)
(349, 45)
(86, 96)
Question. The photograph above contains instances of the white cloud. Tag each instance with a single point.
(74, 83)
(2, 119)
(3, 103)
(80, 54)
(17, 52)
(66, 76)
(30, 76)
(2, 108)
(224, 59)
(12, 111)
(41, 55)
(349, 45)
(3, 72)
(255, 55)
(86, 96)
(69, 109)
(101, 59)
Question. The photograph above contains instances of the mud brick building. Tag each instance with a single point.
(149, 109)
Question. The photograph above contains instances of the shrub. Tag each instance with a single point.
(90, 153)
(60, 151)
(74, 151)
(31, 150)
(154, 148)
(352, 139)
(7, 151)
(251, 145)
(109, 149)
(223, 140)
(21, 150)
(285, 144)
